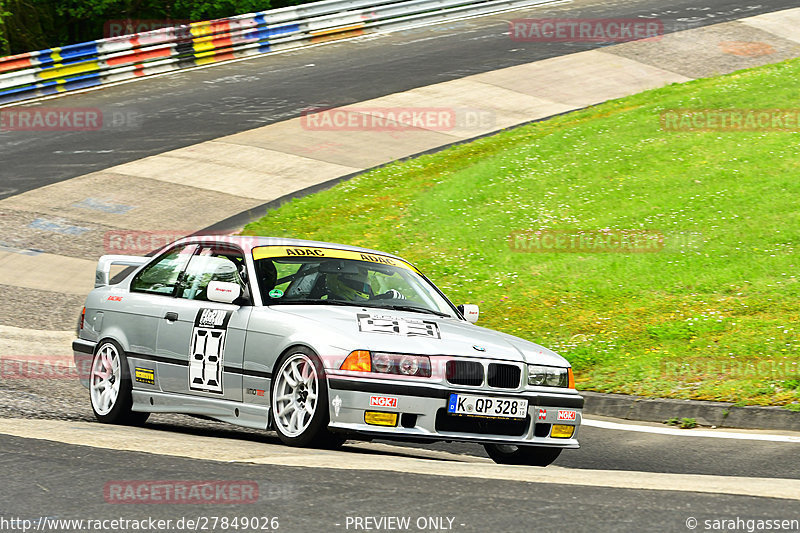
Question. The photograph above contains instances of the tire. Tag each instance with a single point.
(110, 387)
(506, 454)
(299, 401)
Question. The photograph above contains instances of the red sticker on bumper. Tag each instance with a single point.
(382, 401)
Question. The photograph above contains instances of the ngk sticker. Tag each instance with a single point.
(567, 415)
(542, 414)
(382, 401)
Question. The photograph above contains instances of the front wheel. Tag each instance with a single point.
(508, 454)
(299, 401)
(110, 387)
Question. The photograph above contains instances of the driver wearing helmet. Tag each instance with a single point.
(355, 287)
(349, 286)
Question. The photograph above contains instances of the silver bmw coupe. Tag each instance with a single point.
(319, 342)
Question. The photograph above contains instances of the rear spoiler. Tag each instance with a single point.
(101, 277)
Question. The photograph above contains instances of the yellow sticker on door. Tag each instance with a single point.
(145, 375)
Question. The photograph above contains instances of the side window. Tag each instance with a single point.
(212, 264)
(162, 276)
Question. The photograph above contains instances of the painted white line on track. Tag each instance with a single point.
(722, 434)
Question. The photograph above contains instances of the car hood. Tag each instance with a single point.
(407, 332)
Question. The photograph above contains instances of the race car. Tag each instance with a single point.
(319, 342)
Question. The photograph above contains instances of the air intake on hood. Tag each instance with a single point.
(411, 327)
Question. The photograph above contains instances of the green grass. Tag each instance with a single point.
(712, 316)
(684, 423)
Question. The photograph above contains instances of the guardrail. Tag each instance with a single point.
(84, 65)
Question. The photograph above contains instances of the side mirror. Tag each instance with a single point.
(223, 292)
(470, 312)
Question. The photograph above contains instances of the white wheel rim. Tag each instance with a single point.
(294, 396)
(105, 379)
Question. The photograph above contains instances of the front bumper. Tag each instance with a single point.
(422, 414)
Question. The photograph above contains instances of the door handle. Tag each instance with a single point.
(172, 317)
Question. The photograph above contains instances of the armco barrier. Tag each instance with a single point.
(78, 66)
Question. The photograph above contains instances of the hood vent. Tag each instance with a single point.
(409, 327)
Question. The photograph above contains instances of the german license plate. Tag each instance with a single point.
(485, 406)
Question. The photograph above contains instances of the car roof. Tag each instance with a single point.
(247, 243)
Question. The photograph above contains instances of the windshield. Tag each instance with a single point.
(336, 279)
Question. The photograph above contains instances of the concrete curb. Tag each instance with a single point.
(719, 414)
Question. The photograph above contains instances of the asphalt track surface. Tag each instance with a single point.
(61, 481)
(154, 115)
(601, 449)
(65, 481)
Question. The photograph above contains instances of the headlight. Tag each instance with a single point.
(382, 362)
(548, 376)
(405, 365)
(409, 365)
(388, 363)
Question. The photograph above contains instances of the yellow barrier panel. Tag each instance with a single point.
(62, 71)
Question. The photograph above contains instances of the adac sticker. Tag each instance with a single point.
(262, 252)
(145, 375)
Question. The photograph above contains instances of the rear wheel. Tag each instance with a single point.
(299, 401)
(508, 454)
(110, 387)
